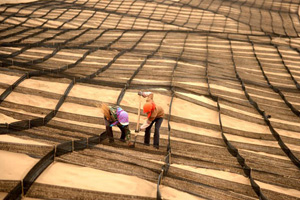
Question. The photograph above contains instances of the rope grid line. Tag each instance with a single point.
(286, 150)
(37, 170)
(51, 115)
(231, 149)
(16, 62)
(275, 89)
(165, 167)
(88, 8)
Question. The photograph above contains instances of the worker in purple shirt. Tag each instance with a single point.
(115, 115)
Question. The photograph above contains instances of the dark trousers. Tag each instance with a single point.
(158, 122)
(110, 132)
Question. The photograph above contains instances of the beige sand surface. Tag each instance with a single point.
(32, 100)
(260, 142)
(80, 123)
(15, 1)
(6, 119)
(62, 174)
(238, 179)
(132, 99)
(98, 94)
(199, 113)
(195, 130)
(187, 141)
(81, 110)
(14, 166)
(286, 191)
(216, 173)
(92, 179)
(8, 79)
(211, 102)
(217, 134)
(54, 87)
(22, 111)
(291, 134)
(80, 91)
(267, 154)
(3, 195)
(12, 139)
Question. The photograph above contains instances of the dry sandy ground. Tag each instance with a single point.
(68, 175)
(15, 1)
(14, 166)
(72, 176)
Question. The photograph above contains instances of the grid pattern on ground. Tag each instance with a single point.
(237, 60)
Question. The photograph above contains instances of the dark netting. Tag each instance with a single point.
(3, 125)
(15, 193)
(5, 94)
(274, 24)
(232, 150)
(19, 125)
(94, 140)
(63, 98)
(61, 149)
(37, 122)
(80, 144)
(138, 69)
(64, 148)
(49, 116)
(31, 176)
(287, 151)
(34, 173)
(167, 160)
(275, 89)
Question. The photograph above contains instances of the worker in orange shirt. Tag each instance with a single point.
(155, 114)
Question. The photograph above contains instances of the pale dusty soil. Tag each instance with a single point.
(12, 139)
(15, 1)
(68, 175)
(238, 179)
(14, 166)
(3, 195)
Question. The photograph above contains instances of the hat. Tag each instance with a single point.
(123, 117)
(148, 108)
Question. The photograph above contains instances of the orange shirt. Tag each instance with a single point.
(158, 111)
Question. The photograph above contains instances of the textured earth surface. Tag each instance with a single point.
(227, 74)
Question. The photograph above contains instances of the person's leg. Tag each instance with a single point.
(156, 132)
(127, 133)
(147, 134)
(123, 133)
(109, 131)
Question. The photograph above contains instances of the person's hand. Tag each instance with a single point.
(145, 125)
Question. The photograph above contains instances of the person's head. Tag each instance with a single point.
(148, 108)
(105, 110)
(123, 118)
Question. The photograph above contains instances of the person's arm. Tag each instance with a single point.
(146, 124)
(149, 95)
(115, 123)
